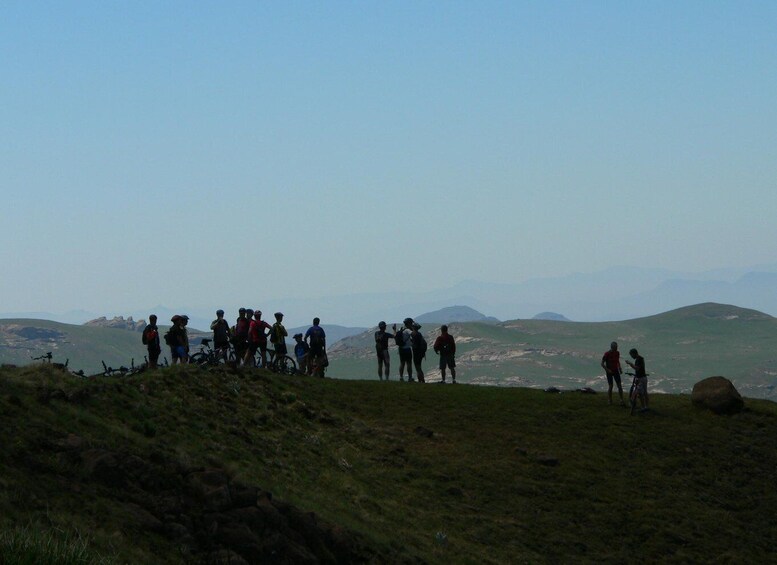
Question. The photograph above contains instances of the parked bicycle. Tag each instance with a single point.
(122, 370)
(282, 364)
(43, 358)
(635, 392)
(209, 356)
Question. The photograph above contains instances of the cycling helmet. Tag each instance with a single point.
(242, 311)
(382, 325)
(219, 312)
(175, 318)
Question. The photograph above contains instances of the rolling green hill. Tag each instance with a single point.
(680, 347)
(186, 465)
(85, 346)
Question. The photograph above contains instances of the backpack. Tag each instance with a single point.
(169, 337)
(317, 338)
(274, 337)
(149, 336)
(144, 336)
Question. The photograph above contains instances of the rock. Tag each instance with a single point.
(424, 432)
(717, 394)
(118, 322)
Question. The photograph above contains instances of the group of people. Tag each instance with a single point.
(412, 350)
(612, 367)
(248, 336)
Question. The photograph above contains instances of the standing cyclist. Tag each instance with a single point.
(382, 350)
(316, 339)
(611, 363)
(221, 334)
(640, 379)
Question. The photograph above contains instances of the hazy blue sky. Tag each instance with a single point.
(230, 152)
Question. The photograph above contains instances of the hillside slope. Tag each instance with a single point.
(680, 347)
(178, 466)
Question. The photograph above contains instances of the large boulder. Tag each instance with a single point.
(717, 394)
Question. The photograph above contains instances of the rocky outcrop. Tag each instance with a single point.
(717, 394)
(118, 322)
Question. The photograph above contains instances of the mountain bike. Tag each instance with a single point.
(282, 364)
(634, 392)
(46, 358)
(209, 356)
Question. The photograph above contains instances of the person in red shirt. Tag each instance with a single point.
(445, 347)
(611, 363)
(257, 339)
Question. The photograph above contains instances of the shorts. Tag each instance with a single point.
(447, 361)
(259, 345)
(611, 376)
(383, 356)
(280, 349)
(178, 351)
(405, 354)
(640, 385)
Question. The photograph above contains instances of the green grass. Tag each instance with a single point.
(30, 546)
(397, 464)
(681, 347)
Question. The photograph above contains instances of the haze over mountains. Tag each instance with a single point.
(617, 293)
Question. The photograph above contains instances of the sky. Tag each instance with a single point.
(206, 153)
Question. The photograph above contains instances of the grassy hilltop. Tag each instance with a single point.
(681, 347)
(176, 466)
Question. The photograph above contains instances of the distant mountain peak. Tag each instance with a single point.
(454, 314)
(552, 316)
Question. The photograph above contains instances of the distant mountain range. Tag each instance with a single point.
(616, 293)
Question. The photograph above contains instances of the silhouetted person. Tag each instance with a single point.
(301, 350)
(419, 351)
(640, 379)
(278, 336)
(404, 341)
(179, 340)
(316, 339)
(445, 347)
(241, 334)
(611, 363)
(221, 334)
(382, 338)
(257, 339)
(151, 341)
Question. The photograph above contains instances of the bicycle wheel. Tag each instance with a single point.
(198, 358)
(285, 365)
